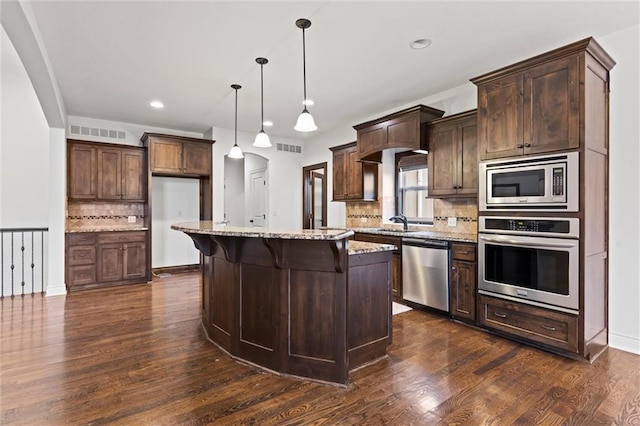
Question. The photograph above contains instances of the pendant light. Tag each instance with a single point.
(236, 152)
(262, 139)
(305, 121)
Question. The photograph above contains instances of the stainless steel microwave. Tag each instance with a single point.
(541, 183)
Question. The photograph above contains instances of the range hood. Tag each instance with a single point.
(401, 129)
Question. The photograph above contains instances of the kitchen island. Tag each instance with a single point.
(306, 303)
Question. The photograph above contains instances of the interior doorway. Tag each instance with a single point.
(246, 189)
(314, 196)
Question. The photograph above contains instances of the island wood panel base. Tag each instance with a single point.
(296, 307)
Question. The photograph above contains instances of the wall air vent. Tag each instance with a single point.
(296, 149)
(95, 131)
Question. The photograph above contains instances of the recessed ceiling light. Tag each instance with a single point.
(308, 102)
(420, 43)
(156, 104)
(267, 123)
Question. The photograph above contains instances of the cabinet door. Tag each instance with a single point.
(467, 157)
(552, 106)
(134, 175)
(196, 158)
(109, 173)
(442, 160)
(339, 186)
(463, 290)
(353, 174)
(165, 155)
(134, 263)
(82, 172)
(109, 262)
(500, 118)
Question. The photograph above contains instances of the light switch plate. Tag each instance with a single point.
(451, 221)
(131, 219)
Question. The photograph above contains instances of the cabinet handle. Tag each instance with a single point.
(527, 145)
(499, 315)
(453, 268)
(546, 327)
(464, 252)
(519, 146)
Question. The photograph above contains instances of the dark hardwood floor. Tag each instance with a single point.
(137, 355)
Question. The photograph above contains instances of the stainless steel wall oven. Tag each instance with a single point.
(530, 260)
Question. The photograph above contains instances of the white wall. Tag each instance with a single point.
(234, 191)
(624, 181)
(24, 145)
(173, 200)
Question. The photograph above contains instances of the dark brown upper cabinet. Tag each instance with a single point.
(353, 180)
(402, 129)
(106, 172)
(453, 156)
(178, 155)
(536, 106)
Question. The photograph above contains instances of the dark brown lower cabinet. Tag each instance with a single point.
(396, 261)
(100, 259)
(463, 281)
(297, 307)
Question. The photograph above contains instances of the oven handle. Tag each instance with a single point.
(527, 244)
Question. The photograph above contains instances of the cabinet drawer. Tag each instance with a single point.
(463, 252)
(541, 325)
(82, 255)
(81, 239)
(122, 237)
(81, 275)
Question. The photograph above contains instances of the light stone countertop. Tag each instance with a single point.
(361, 247)
(106, 229)
(454, 237)
(210, 228)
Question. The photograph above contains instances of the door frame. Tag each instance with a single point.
(307, 196)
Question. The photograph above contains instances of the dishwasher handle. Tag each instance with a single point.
(417, 242)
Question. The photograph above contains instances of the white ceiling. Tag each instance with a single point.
(112, 58)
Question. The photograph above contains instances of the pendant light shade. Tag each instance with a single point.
(262, 139)
(236, 152)
(305, 121)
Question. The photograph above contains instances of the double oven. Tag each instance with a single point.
(528, 235)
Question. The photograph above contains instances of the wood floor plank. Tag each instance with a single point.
(137, 355)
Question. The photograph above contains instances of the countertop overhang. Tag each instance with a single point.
(210, 228)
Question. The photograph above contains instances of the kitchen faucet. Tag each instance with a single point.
(401, 219)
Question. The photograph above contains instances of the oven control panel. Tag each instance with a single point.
(556, 227)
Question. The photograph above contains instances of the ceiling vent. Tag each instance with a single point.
(296, 149)
(95, 131)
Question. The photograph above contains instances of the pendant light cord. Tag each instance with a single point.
(261, 99)
(235, 139)
(304, 70)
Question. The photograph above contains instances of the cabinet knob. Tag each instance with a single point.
(519, 146)
(527, 145)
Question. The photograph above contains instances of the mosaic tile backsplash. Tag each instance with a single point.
(465, 210)
(95, 215)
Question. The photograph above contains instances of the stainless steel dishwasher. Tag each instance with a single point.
(425, 272)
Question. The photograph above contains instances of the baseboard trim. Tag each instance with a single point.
(175, 269)
(624, 343)
(55, 290)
